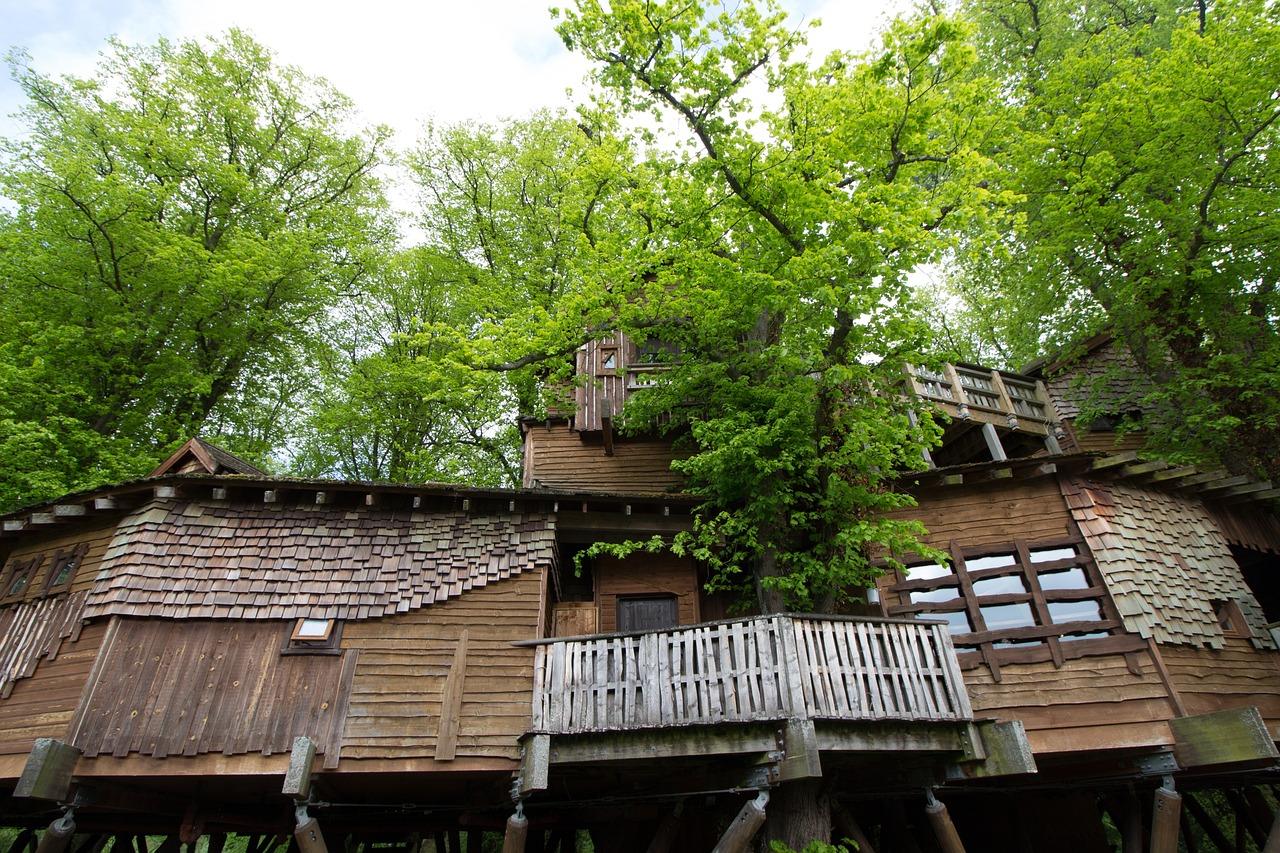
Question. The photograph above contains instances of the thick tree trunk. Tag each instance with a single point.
(799, 812)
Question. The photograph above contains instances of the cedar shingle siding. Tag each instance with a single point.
(180, 559)
(1164, 561)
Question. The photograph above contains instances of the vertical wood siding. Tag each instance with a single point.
(400, 679)
(189, 687)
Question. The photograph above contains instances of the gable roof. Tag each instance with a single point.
(198, 456)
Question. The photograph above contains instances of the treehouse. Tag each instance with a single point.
(365, 666)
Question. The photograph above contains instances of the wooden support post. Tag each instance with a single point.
(668, 830)
(475, 840)
(308, 835)
(1245, 817)
(47, 773)
(847, 827)
(1273, 837)
(57, 838)
(1210, 828)
(1166, 813)
(992, 439)
(737, 838)
(943, 829)
(513, 840)
(1132, 829)
(297, 779)
(451, 702)
(535, 764)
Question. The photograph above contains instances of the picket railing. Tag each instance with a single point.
(740, 670)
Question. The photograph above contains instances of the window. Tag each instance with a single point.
(313, 636)
(63, 569)
(1231, 618)
(608, 360)
(647, 613)
(1019, 603)
(17, 578)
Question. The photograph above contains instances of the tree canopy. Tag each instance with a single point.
(180, 226)
(1142, 147)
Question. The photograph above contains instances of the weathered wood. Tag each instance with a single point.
(451, 701)
(309, 837)
(1166, 813)
(517, 831)
(1207, 824)
(535, 763)
(943, 828)
(48, 771)
(57, 837)
(1007, 752)
(297, 779)
(668, 830)
(800, 751)
(744, 827)
(848, 828)
(1222, 737)
(1273, 836)
(763, 668)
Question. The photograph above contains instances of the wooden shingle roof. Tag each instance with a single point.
(211, 559)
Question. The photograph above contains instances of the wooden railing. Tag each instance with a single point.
(741, 670)
(978, 393)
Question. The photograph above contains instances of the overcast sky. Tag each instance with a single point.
(401, 62)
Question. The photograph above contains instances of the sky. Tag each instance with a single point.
(403, 63)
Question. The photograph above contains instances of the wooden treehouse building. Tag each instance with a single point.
(361, 666)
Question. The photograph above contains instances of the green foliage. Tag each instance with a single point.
(775, 258)
(1142, 144)
(848, 846)
(179, 226)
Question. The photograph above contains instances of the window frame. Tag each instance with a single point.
(623, 600)
(30, 566)
(73, 557)
(330, 644)
(1009, 645)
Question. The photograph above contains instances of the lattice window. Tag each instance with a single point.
(1023, 602)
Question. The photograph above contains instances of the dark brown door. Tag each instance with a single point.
(647, 614)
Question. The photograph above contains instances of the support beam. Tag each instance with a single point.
(1273, 837)
(297, 779)
(848, 827)
(737, 838)
(943, 829)
(47, 773)
(1210, 828)
(62, 511)
(451, 701)
(1166, 816)
(57, 838)
(1007, 752)
(992, 438)
(308, 835)
(535, 764)
(517, 832)
(668, 830)
(800, 752)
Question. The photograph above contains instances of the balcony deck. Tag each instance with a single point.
(782, 667)
(971, 393)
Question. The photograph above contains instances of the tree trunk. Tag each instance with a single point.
(799, 812)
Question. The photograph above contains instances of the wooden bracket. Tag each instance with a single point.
(535, 764)
(47, 773)
(1004, 751)
(451, 702)
(297, 779)
(799, 742)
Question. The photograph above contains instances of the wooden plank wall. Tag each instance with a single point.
(645, 574)
(1090, 703)
(194, 686)
(43, 705)
(400, 679)
(98, 538)
(556, 457)
(994, 514)
(1234, 676)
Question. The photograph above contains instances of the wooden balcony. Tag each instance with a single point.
(978, 394)
(783, 667)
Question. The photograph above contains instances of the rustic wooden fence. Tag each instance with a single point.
(739, 670)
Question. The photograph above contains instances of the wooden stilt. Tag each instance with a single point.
(475, 840)
(737, 838)
(943, 829)
(170, 844)
(1245, 816)
(517, 833)
(1188, 837)
(455, 841)
(1273, 837)
(667, 831)
(1132, 824)
(217, 842)
(847, 826)
(1166, 811)
(26, 840)
(57, 838)
(1210, 828)
(308, 835)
